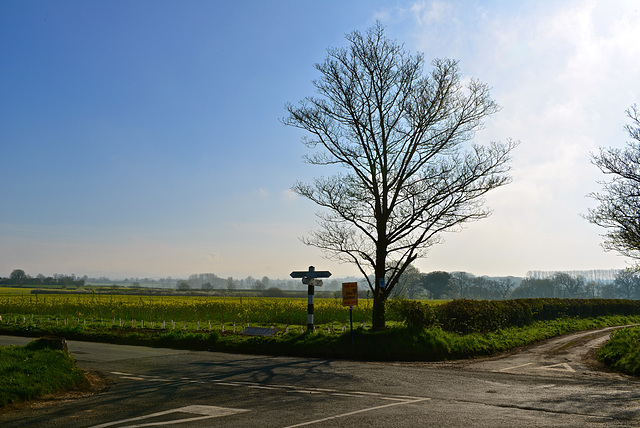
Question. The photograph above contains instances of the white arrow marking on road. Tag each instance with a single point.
(565, 367)
(203, 412)
(514, 367)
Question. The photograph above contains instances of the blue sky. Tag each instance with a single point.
(143, 138)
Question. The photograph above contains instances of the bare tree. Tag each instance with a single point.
(571, 286)
(183, 285)
(259, 286)
(627, 283)
(398, 135)
(461, 282)
(503, 287)
(619, 209)
(409, 285)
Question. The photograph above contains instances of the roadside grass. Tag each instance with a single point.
(394, 344)
(435, 344)
(28, 372)
(622, 352)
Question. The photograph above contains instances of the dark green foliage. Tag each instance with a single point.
(468, 316)
(412, 312)
(19, 278)
(481, 316)
(273, 292)
(437, 283)
(622, 352)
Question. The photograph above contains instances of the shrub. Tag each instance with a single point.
(481, 316)
(412, 312)
(621, 353)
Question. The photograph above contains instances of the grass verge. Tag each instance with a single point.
(399, 344)
(622, 352)
(28, 372)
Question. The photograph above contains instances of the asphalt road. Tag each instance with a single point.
(548, 385)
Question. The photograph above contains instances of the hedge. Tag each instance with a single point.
(481, 316)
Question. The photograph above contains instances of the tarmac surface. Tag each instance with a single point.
(557, 383)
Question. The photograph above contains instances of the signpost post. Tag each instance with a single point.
(311, 278)
(350, 298)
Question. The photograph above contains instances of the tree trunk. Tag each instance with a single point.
(379, 312)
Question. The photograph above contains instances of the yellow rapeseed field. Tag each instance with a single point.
(170, 310)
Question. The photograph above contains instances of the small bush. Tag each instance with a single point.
(273, 292)
(622, 353)
(412, 312)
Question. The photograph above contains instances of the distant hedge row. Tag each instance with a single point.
(481, 316)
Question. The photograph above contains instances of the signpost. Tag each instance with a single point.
(312, 279)
(350, 298)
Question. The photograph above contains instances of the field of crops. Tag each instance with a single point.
(172, 312)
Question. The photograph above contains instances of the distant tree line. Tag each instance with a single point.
(413, 284)
(461, 285)
(264, 285)
(597, 275)
(19, 278)
(167, 282)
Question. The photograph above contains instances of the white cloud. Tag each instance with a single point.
(263, 193)
(427, 13)
(289, 195)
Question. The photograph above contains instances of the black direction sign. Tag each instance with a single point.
(311, 273)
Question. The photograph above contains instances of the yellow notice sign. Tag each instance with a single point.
(349, 293)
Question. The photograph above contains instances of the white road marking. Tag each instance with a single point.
(407, 397)
(563, 367)
(514, 367)
(248, 383)
(201, 412)
(359, 395)
(356, 412)
(398, 399)
(275, 385)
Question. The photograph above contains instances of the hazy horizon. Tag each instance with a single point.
(530, 273)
